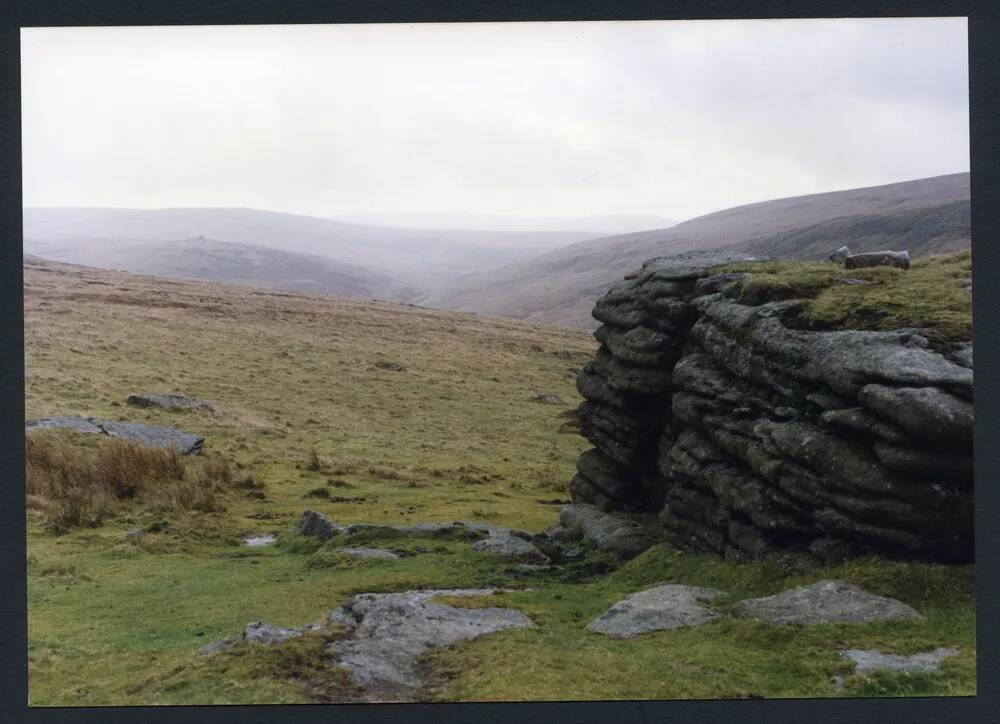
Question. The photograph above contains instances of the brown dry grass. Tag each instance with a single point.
(75, 484)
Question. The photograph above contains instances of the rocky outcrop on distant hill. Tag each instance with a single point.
(752, 434)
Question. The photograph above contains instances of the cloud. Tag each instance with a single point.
(669, 117)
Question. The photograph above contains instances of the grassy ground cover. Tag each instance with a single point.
(375, 412)
(934, 294)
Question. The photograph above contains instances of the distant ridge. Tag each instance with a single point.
(420, 259)
(561, 286)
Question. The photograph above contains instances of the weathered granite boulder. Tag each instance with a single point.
(609, 532)
(900, 259)
(168, 402)
(507, 544)
(151, 435)
(840, 255)
(79, 424)
(391, 631)
(751, 434)
(657, 609)
(262, 633)
(869, 660)
(373, 554)
(162, 437)
(825, 602)
(317, 525)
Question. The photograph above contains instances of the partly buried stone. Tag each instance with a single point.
(162, 437)
(262, 633)
(317, 525)
(217, 647)
(656, 609)
(509, 545)
(257, 541)
(80, 424)
(825, 602)
(168, 402)
(376, 554)
(899, 259)
(549, 399)
(391, 631)
(869, 660)
(840, 255)
(620, 535)
(257, 633)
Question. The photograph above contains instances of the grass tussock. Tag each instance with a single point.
(933, 294)
(74, 484)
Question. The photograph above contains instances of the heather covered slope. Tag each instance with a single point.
(560, 286)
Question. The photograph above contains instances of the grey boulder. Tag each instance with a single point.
(869, 660)
(262, 633)
(825, 602)
(150, 435)
(656, 609)
(168, 402)
(840, 255)
(380, 554)
(161, 437)
(510, 546)
(617, 534)
(80, 424)
(899, 259)
(391, 631)
(317, 525)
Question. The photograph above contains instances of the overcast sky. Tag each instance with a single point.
(675, 118)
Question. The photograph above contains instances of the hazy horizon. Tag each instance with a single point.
(666, 118)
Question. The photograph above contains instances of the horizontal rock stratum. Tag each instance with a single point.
(751, 433)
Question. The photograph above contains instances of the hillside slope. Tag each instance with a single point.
(420, 258)
(372, 412)
(222, 261)
(560, 286)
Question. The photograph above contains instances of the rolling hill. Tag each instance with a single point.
(420, 259)
(596, 225)
(223, 261)
(560, 286)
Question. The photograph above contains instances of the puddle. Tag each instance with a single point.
(259, 540)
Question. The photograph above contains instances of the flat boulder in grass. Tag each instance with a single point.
(374, 554)
(898, 259)
(317, 525)
(153, 436)
(168, 402)
(657, 609)
(511, 546)
(79, 424)
(869, 660)
(548, 399)
(389, 632)
(825, 602)
(609, 532)
(161, 437)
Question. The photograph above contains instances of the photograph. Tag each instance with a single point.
(543, 361)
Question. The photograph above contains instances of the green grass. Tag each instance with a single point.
(454, 436)
(932, 294)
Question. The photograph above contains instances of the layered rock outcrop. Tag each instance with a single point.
(751, 435)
